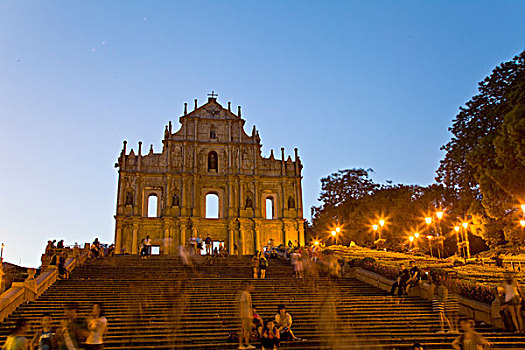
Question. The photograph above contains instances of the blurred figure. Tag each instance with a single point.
(73, 328)
(452, 309)
(245, 316)
(16, 339)
(438, 304)
(97, 326)
(270, 338)
(513, 297)
(46, 337)
(470, 339)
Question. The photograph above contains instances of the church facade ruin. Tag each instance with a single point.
(163, 195)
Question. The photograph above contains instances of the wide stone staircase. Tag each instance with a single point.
(160, 304)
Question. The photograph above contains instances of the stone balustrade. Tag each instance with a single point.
(477, 310)
(32, 288)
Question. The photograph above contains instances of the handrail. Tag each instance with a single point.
(32, 287)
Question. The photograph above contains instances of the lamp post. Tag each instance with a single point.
(467, 245)
(457, 228)
(411, 239)
(375, 227)
(437, 223)
(2, 253)
(428, 220)
(430, 245)
(381, 224)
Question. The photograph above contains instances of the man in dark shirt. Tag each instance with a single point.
(415, 275)
(208, 243)
(401, 282)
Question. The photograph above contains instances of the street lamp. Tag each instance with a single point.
(439, 215)
(430, 244)
(381, 224)
(416, 235)
(523, 208)
(467, 245)
(337, 229)
(334, 234)
(522, 223)
(428, 220)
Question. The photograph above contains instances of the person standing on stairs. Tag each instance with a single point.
(73, 329)
(263, 264)
(470, 339)
(513, 299)
(16, 340)
(208, 241)
(255, 265)
(245, 316)
(147, 245)
(97, 326)
(438, 304)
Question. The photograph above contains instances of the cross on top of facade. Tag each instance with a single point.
(213, 94)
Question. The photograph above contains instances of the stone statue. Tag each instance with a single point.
(129, 198)
(212, 161)
(175, 201)
(249, 202)
(291, 203)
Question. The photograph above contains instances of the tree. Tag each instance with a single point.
(484, 160)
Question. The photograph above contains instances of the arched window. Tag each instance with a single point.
(269, 208)
(152, 206)
(213, 161)
(212, 206)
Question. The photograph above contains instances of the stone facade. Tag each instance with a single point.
(210, 154)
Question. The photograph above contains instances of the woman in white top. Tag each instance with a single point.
(97, 326)
(513, 301)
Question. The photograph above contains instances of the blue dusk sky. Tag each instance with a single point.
(371, 84)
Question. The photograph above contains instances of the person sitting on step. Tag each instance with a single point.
(415, 276)
(257, 325)
(270, 338)
(46, 336)
(283, 321)
(401, 281)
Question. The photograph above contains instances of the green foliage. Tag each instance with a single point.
(484, 160)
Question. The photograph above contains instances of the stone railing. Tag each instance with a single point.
(468, 307)
(32, 288)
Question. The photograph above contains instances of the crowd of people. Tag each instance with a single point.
(71, 333)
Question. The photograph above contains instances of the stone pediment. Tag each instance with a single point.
(212, 110)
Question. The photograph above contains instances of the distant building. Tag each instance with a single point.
(164, 195)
